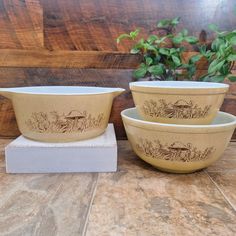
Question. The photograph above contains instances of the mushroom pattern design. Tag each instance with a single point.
(176, 151)
(181, 109)
(53, 122)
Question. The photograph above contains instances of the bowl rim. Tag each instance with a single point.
(179, 84)
(51, 90)
(179, 87)
(180, 126)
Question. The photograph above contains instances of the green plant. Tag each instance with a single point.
(221, 56)
(162, 52)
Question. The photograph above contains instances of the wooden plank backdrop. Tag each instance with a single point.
(72, 42)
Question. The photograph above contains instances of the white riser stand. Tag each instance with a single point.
(94, 155)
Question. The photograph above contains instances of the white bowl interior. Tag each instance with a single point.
(179, 84)
(62, 90)
(221, 118)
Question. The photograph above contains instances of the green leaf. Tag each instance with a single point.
(156, 70)
(140, 72)
(195, 58)
(176, 60)
(224, 70)
(202, 49)
(164, 23)
(215, 66)
(223, 34)
(134, 34)
(213, 27)
(149, 61)
(229, 35)
(156, 59)
(121, 37)
(178, 39)
(191, 70)
(205, 78)
(185, 66)
(216, 44)
(233, 40)
(184, 32)
(162, 39)
(209, 54)
(222, 50)
(152, 38)
(134, 50)
(151, 47)
(173, 51)
(218, 78)
(170, 78)
(180, 49)
(231, 57)
(175, 21)
(139, 44)
(232, 78)
(191, 39)
(211, 68)
(164, 51)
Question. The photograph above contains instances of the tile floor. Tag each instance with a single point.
(137, 200)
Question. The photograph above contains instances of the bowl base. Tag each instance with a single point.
(176, 171)
(62, 139)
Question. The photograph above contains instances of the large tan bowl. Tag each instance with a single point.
(178, 148)
(178, 102)
(61, 113)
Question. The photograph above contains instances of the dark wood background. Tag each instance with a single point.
(72, 42)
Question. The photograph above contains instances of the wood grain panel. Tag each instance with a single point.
(10, 77)
(54, 42)
(21, 24)
(67, 59)
(77, 59)
(95, 24)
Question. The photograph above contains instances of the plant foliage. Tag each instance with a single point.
(162, 53)
(221, 56)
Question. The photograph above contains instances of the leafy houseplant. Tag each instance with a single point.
(162, 53)
(221, 56)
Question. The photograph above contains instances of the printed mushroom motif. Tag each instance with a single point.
(178, 148)
(74, 115)
(181, 104)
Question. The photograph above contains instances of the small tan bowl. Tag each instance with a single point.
(178, 102)
(178, 148)
(61, 113)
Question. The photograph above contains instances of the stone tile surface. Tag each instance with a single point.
(3, 144)
(44, 204)
(226, 182)
(227, 162)
(223, 174)
(138, 200)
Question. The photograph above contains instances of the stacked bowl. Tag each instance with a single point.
(176, 126)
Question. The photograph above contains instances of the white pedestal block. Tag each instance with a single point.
(94, 155)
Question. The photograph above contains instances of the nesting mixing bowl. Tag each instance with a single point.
(178, 102)
(178, 148)
(61, 113)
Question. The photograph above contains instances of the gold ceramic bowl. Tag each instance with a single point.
(61, 113)
(178, 148)
(178, 102)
